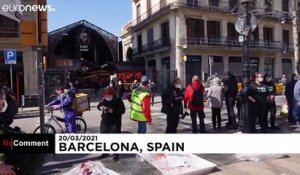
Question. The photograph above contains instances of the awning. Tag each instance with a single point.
(11, 4)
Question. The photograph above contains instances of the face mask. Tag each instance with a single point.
(269, 79)
(4, 107)
(120, 83)
(109, 98)
(178, 86)
(260, 80)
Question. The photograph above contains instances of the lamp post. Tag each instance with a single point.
(243, 111)
(41, 83)
(295, 36)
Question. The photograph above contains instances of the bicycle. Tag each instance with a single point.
(49, 129)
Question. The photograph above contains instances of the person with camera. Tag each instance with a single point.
(112, 108)
(172, 105)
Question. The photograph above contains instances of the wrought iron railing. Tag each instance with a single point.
(9, 32)
(230, 42)
(161, 43)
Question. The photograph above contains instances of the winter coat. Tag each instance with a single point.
(196, 85)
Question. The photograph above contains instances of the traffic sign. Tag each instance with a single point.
(10, 56)
(242, 28)
(211, 60)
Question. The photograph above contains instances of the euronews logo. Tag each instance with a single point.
(28, 8)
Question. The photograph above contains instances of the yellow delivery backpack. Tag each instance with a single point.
(81, 103)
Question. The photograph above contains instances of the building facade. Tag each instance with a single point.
(179, 37)
(22, 36)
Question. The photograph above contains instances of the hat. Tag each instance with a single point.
(144, 79)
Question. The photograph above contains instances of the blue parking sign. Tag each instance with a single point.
(10, 56)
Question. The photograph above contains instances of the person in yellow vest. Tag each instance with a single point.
(140, 105)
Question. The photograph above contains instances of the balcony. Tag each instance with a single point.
(231, 42)
(155, 45)
(9, 32)
(159, 10)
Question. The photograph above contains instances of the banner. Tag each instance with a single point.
(151, 143)
(177, 143)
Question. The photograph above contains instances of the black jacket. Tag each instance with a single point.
(230, 86)
(289, 90)
(172, 101)
(120, 90)
(118, 108)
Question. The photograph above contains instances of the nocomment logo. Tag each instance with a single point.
(28, 8)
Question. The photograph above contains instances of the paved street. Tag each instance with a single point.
(129, 164)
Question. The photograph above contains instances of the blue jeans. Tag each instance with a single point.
(142, 127)
(296, 112)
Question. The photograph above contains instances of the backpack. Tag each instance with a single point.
(81, 103)
(197, 99)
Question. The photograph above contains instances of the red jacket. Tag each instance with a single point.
(189, 95)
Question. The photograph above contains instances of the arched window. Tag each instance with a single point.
(129, 54)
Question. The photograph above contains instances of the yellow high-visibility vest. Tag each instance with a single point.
(136, 110)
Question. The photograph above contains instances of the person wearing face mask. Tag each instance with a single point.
(271, 105)
(140, 105)
(172, 105)
(193, 99)
(289, 94)
(65, 102)
(112, 108)
(257, 103)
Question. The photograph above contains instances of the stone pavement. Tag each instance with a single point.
(129, 164)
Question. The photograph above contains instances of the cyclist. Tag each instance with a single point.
(65, 101)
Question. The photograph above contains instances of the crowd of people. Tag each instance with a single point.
(178, 102)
